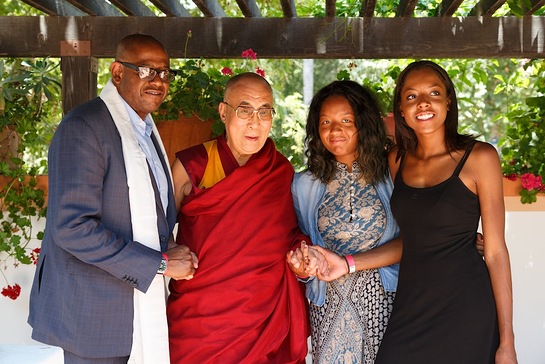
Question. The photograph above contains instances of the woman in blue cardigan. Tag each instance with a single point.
(343, 203)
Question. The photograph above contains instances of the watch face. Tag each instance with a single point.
(162, 267)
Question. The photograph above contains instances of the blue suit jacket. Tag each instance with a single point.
(89, 266)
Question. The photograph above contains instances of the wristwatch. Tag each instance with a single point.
(163, 267)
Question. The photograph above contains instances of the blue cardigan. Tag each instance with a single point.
(308, 193)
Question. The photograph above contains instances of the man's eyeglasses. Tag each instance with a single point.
(247, 112)
(149, 73)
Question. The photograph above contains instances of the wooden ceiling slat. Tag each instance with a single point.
(132, 7)
(330, 7)
(406, 8)
(448, 7)
(368, 8)
(171, 8)
(486, 7)
(210, 8)
(249, 8)
(535, 6)
(96, 7)
(55, 7)
(288, 7)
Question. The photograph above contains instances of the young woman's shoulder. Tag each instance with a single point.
(484, 152)
(484, 160)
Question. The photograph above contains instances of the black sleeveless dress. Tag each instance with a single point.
(444, 310)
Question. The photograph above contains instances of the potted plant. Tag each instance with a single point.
(523, 148)
(189, 115)
(28, 101)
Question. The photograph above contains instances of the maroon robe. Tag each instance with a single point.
(243, 305)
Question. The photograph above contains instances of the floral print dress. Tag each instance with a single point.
(349, 327)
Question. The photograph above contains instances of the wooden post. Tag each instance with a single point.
(79, 74)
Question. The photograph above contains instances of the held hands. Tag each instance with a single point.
(182, 262)
(337, 265)
(306, 262)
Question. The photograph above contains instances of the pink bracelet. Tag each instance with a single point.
(351, 263)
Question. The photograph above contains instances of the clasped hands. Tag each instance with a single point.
(182, 262)
(310, 261)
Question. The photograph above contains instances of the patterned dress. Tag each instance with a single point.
(349, 327)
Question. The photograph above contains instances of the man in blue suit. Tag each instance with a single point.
(99, 290)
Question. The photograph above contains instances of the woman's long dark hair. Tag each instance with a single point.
(372, 139)
(405, 137)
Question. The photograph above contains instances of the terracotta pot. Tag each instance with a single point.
(390, 124)
(9, 144)
(42, 184)
(511, 188)
(183, 133)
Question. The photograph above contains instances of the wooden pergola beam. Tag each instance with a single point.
(288, 7)
(406, 8)
(297, 38)
(96, 7)
(210, 8)
(486, 7)
(448, 7)
(56, 7)
(249, 8)
(368, 8)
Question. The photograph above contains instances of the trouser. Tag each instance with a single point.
(71, 358)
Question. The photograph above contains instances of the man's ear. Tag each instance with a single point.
(222, 111)
(116, 70)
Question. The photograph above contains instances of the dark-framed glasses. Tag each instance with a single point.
(247, 112)
(148, 73)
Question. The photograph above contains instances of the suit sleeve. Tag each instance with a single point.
(90, 217)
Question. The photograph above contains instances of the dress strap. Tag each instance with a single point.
(463, 160)
(401, 165)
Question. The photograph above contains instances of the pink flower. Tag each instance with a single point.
(530, 181)
(226, 71)
(249, 53)
(260, 72)
(12, 291)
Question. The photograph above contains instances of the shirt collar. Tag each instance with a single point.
(143, 127)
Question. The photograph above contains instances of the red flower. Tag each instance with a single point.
(511, 177)
(260, 72)
(529, 181)
(12, 292)
(226, 71)
(34, 254)
(249, 53)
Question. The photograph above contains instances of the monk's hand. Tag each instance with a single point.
(336, 264)
(315, 261)
(297, 261)
(182, 263)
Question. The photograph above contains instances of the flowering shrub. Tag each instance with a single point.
(12, 291)
(523, 148)
(198, 88)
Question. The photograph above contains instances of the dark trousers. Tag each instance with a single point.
(71, 358)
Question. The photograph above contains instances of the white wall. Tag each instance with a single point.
(525, 235)
(14, 313)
